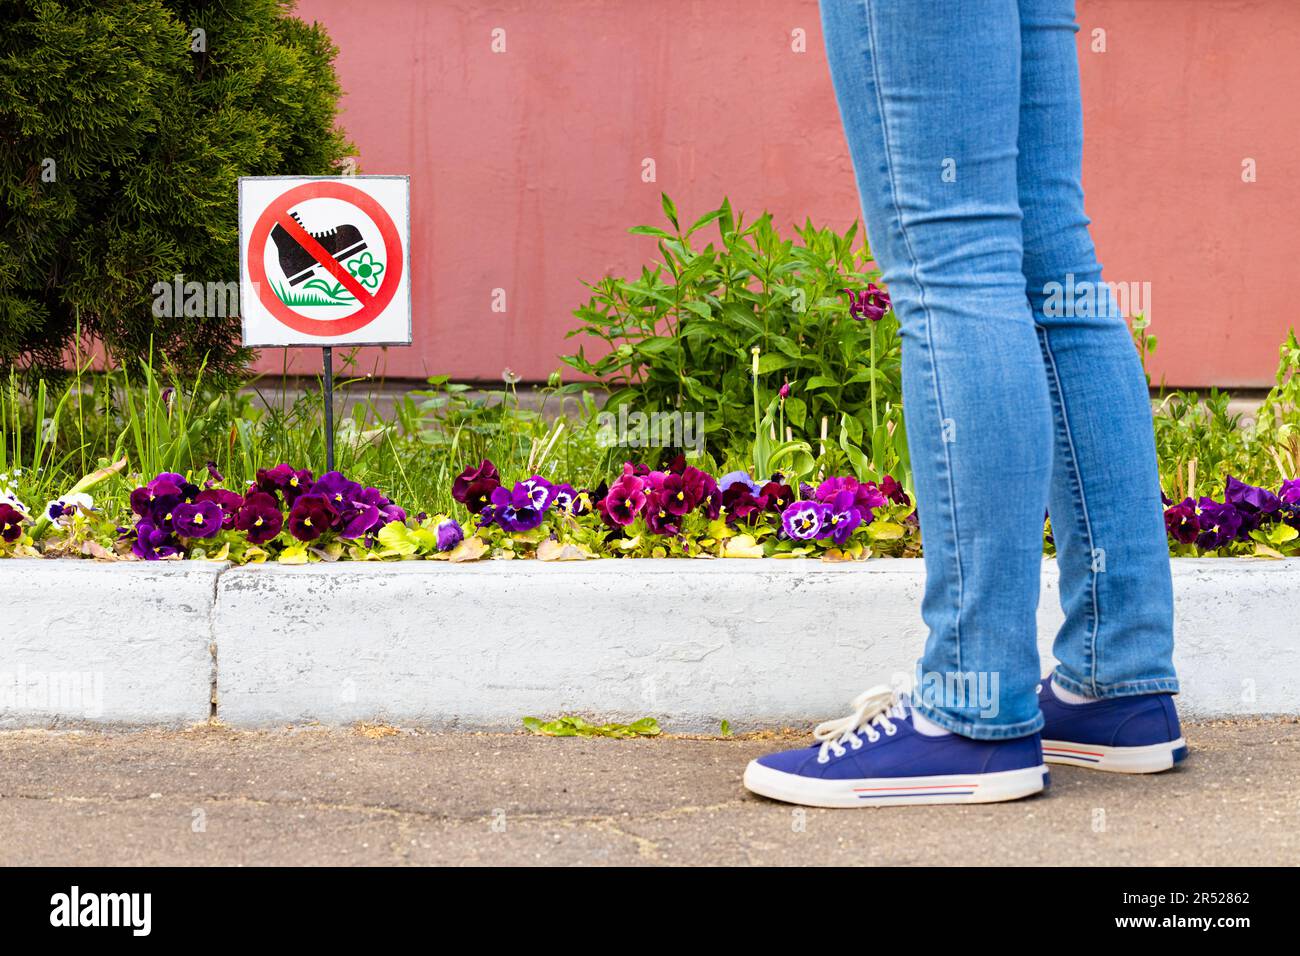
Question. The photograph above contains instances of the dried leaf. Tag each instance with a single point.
(742, 546)
(552, 550)
(471, 549)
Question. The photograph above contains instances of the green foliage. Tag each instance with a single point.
(680, 335)
(1277, 426)
(577, 727)
(124, 133)
(161, 419)
(1199, 441)
(1198, 435)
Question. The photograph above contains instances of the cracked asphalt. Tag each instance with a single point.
(306, 796)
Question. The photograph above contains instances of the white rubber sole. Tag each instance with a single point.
(895, 791)
(1150, 759)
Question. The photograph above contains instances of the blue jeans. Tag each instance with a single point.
(1022, 389)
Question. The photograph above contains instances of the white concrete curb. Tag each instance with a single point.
(83, 642)
(758, 643)
(689, 642)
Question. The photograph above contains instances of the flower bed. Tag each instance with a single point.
(292, 517)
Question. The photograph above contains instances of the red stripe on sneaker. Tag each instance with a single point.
(942, 786)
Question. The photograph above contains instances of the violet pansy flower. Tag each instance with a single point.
(624, 501)
(450, 534)
(197, 519)
(1219, 523)
(1181, 522)
(513, 509)
(152, 543)
(805, 520)
(843, 517)
(732, 477)
(259, 517)
(540, 492)
(311, 516)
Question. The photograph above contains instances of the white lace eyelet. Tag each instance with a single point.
(857, 743)
(891, 731)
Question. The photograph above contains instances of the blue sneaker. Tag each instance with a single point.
(1120, 734)
(876, 758)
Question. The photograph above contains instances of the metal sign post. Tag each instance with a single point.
(327, 356)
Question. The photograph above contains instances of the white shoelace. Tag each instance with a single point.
(872, 709)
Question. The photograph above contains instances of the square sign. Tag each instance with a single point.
(325, 260)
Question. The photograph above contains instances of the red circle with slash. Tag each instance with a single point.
(372, 306)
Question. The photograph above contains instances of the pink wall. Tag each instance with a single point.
(526, 165)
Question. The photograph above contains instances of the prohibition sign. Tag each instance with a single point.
(372, 306)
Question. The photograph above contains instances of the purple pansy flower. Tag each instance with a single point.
(866, 495)
(151, 542)
(566, 499)
(11, 523)
(678, 495)
(1289, 493)
(284, 480)
(450, 534)
(624, 501)
(540, 492)
(891, 489)
(229, 502)
(843, 517)
(167, 485)
(732, 477)
(1181, 522)
(658, 519)
(1255, 505)
(357, 520)
(741, 504)
(777, 495)
(197, 519)
(387, 510)
(338, 490)
(1219, 523)
(473, 487)
(805, 520)
(259, 517)
(311, 516)
(513, 508)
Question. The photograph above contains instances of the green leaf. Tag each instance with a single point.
(796, 412)
(704, 220)
(655, 345)
(395, 536)
(819, 381)
(670, 209)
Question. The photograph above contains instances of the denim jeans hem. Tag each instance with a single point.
(1128, 688)
(979, 731)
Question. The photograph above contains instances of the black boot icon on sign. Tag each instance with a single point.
(298, 264)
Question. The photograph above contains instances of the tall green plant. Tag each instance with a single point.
(679, 336)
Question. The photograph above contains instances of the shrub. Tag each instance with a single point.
(680, 336)
(124, 128)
